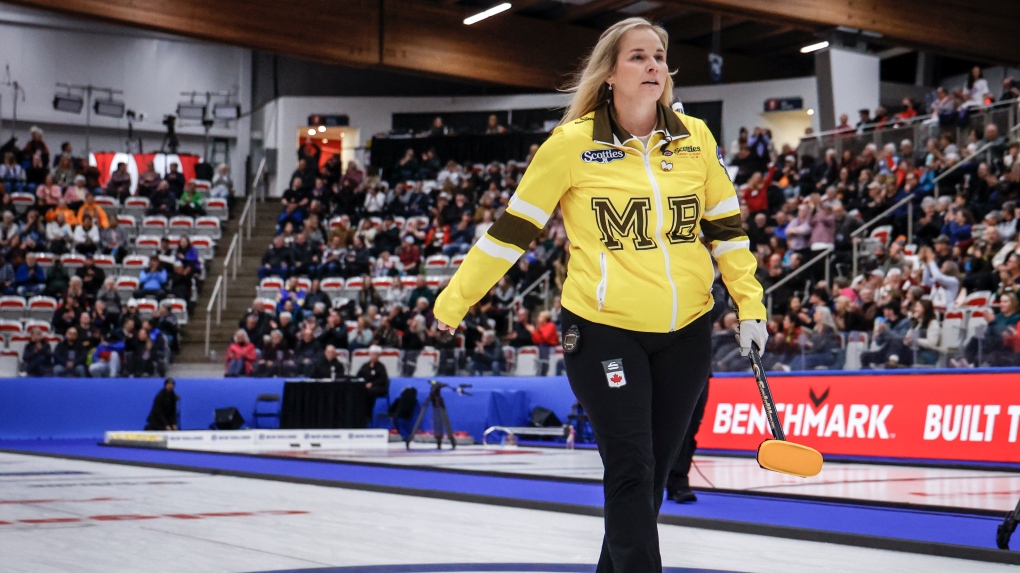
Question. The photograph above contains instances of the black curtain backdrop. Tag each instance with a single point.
(460, 148)
(323, 405)
(708, 111)
(478, 148)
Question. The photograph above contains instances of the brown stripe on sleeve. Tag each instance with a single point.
(724, 229)
(514, 230)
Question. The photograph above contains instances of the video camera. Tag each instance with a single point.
(437, 386)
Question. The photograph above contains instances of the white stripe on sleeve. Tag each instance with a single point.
(726, 246)
(727, 205)
(529, 210)
(493, 249)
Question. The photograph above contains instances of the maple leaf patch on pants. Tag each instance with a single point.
(614, 372)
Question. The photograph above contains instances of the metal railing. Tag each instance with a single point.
(1004, 114)
(219, 303)
(543, 282)
(911, 198)
(231, 261)
(826, 254)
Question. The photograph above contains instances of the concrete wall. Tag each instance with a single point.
(41, 49)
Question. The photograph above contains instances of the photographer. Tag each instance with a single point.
(163, 416)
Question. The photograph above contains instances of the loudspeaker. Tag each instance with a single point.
(204, 171)
(228, 419)
(544, 418)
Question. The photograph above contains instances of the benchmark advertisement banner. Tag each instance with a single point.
(930, 416)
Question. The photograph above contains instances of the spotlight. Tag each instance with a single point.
(322, 129)
(109, 108)
(68, 102)
(810, 112)
(814, 47)
(226, 111)
(190, 111)
(487, 13)
(311, 131)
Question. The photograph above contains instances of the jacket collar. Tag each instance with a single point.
(607, 131)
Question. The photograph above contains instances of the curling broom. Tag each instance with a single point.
(777, 454)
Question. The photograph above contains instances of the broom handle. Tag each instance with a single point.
(766, 395)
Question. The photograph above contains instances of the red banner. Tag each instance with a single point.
(106, 162)
(972, 417)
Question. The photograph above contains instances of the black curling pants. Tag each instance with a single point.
(678, 480)
(638, 425)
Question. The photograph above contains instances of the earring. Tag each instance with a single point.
(610, 87)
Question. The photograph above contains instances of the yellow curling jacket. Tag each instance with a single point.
(633, 219)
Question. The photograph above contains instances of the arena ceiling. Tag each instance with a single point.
(536, 42)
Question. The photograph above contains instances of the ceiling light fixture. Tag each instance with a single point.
(487, 13)
(191, 110)
(109, 108)
(311, 131)
(814, 47)
(226, 111)
(68, 102)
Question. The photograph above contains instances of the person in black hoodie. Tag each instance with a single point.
(377, 381)
(163, 416)
(329, 367)
(305, 258)
(69, 356)
(335, 332)
(277, 260)
(307, 352)
(38, 358)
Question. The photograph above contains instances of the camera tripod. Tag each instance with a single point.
(440, 419)
(1007, 527)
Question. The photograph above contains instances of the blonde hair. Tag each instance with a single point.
(589, 85)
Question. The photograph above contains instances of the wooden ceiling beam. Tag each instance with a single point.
(750, 33)
(983, 29)
(581, 11)
(284, 26)
(505, 49)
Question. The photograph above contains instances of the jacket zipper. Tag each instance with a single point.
(658, 230)
(600, 290)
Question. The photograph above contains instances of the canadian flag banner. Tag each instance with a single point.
(965, 417)
(107, 161)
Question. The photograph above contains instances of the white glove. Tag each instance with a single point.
(752, 331)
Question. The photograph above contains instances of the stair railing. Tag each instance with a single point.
(218, 300)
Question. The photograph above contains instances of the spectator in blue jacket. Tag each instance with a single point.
(30, 279)
(958, 228)
(37, 357)
(106, 358)
(152, 280)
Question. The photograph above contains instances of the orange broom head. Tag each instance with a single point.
(789, 458)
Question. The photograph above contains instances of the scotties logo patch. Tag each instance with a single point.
(684, 152)
(602, 155)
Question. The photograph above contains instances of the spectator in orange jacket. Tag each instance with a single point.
(69, 216)
(91, 208)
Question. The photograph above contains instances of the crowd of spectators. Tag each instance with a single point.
(964, 241)
(349, 223)
(354, 223)
(100, 330)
